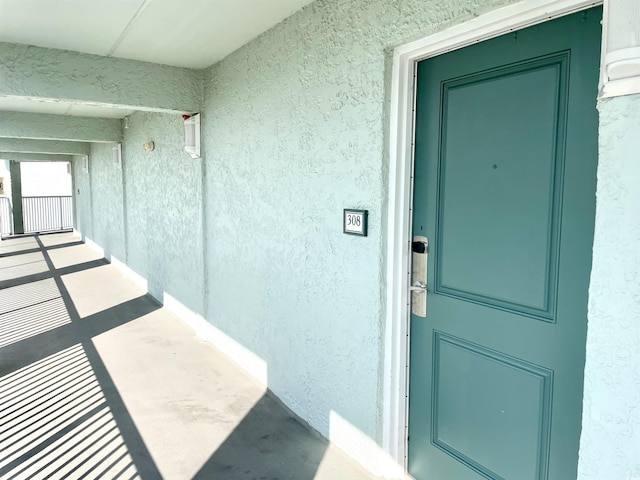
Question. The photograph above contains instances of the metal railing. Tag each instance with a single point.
(6, 222)
(42, 214)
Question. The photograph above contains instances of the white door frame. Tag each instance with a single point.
(398, 229)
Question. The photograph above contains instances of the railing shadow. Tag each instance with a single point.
(37, 249)
(61, 414)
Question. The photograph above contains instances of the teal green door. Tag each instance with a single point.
(505, 169)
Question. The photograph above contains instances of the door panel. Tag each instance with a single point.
(509, 170)
(504, 188)
(469, 382)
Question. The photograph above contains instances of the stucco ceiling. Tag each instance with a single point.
(185, 33)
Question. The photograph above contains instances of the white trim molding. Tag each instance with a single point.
(620, 72)
(402, 98)
(239, 354)
(130, 274)
(94, 246)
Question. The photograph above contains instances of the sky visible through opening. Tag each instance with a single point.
(45, 179)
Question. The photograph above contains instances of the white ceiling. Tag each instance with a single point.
(185, 33)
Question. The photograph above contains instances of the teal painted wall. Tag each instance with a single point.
(610, 446)
(163, 207)
(147, 214)
(107, 201)
(82, 198)
(294, 131)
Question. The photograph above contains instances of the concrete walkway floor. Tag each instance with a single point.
(97, 380)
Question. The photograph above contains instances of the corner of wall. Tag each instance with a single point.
(610, 425)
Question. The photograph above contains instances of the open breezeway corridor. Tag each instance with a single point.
(97, 380)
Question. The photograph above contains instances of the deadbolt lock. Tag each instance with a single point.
(418, 288)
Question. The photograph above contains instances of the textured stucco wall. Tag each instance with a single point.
(295, 132)
(610, 446)
(82, 197)
(107, 201)
(43, 126)
(163, 199)
(37, 72)
(24, 145)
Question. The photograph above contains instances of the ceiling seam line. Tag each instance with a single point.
(128, 27)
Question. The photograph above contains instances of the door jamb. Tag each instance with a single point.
(400, 193)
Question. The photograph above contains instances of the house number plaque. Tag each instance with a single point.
(355, 222)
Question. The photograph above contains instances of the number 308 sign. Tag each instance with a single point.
(355, 222)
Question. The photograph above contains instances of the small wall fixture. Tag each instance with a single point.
(117, 155)
(621, 48)
(192, 134)
(85, 163)
(149, 147)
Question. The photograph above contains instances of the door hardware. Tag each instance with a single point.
(418, 288)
